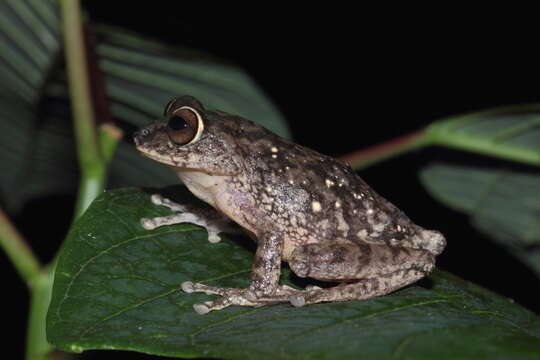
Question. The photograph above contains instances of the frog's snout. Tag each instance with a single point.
(142, 136)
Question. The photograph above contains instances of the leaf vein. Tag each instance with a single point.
(127, 308)
(99, 254)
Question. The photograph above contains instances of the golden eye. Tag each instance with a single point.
(185, 126)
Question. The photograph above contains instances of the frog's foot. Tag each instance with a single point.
(210, 219)
(157, 199)
(233, 296)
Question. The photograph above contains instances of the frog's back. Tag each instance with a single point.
(313, 197)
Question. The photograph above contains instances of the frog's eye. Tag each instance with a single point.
(185, 126)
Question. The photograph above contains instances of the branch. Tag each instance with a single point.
(364, 158)
(17, 250)
(87, 98)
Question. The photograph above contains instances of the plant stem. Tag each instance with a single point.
(364, 158)
(40, 296)
(91, 164)
(94, 153)
(109, 136)
(17, 250)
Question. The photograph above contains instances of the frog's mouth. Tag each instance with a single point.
(147, 144)
(176, 166)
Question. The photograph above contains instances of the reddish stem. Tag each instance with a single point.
(376, 153)
(97, 84)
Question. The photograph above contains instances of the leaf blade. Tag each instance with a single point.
(128, 298)
(501, 203)
(511, 133)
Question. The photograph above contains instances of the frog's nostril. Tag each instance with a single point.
(140, 136)
(142, 132)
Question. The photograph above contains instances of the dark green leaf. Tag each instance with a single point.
(504, 204)
(117, 287)
(36, 155)
(511, 133)
(29, 44)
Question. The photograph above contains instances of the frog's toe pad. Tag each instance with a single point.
(156, 199)
(297, 300)
(148, 224)
(187, 286)
(201, 308)
(213, 237)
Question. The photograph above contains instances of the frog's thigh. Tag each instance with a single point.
(342, 260)
(366, 270)
(329, 261)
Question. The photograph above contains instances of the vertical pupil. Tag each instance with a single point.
(177, 123)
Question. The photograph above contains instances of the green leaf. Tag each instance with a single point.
(140, 76)
(29, 44)
(117, 287)
(502, 203)
(511, 133)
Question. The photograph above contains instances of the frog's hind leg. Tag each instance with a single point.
(362, 289)
(365, 270)
(210, 219)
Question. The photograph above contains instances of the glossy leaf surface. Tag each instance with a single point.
(117, 287)
(511, 133)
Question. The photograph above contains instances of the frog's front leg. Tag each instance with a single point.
(211, 220)
(264, 281)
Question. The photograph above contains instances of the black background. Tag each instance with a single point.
(348, 78)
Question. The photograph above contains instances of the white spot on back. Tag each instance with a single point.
(362, 234)
(342, 224)
(316, 206)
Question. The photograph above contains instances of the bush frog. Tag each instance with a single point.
(302, 207)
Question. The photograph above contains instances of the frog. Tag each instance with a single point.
(312, 211)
